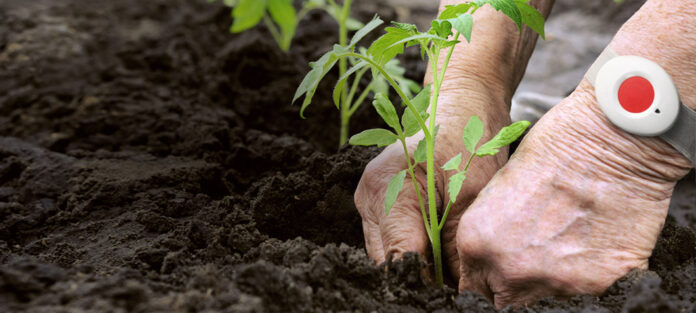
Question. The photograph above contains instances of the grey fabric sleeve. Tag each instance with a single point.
(682, 136)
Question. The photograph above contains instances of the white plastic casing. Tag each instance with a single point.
(665, 107)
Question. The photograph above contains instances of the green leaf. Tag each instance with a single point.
(247, 14)
(411, 28)
(505, 136)
(420, 155)
(442, 28)
(416, 38)
(531, 17)
(373, 137)
(309, 84)
(396, 72)
(464, 24)
(455, 185)
(508, 7)
(364, 31)
(283, 13)
(452, 11)
(408, 119)
(386, 110)
(393, 190)
(453, 163)
(473, 131)
(383, 49)
(353, 24)
(343, 81)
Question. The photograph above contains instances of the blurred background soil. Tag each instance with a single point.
(151, 162)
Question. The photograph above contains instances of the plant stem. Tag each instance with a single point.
(395, 86)
(451, 202)
(275, 33)
(417, 189)
(430, 173)
(430, 170)
(360, 100)
(342, 67)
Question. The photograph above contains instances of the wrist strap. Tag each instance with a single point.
(682, 135)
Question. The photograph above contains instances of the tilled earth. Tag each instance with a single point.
(151, 162)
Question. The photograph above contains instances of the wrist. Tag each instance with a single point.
(644, 161)
(660, 31)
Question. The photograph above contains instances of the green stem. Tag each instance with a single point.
(342, 67)
(395, 86)
(275, 32)
(451, 202)
(444, 215)
(360, 100)
(430, 173)
(354, 89)
(430, 145)
(417, 189)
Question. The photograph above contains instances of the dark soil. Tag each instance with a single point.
(151, 162)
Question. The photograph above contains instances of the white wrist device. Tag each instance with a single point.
(638, 96)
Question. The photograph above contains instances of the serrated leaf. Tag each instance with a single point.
(353, 24)
(408, 120)
(452, 11)
(396, 72)
(406, 26)
(420, 155)
(309, 84)
(508, 7)
(393, 190)
(383, 49)
(343, 81)
(283, 13)
(505, 136)
(247, 14)
(442, 28)
(455, 185)
(415, 38)
(453, 163)
(379, 85)
(531, 17)
(473, 131)
(464, 24)
(364, 31)
(386, 110)
(373, 137)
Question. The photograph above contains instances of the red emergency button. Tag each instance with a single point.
(636, 94)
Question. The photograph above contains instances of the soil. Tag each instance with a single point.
(151, 162)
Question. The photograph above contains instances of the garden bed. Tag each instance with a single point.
(152, 162)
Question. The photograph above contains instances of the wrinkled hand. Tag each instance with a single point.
(403, 229)
(581, 203)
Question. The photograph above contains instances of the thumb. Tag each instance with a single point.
(403, 228)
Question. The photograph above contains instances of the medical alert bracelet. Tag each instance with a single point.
(638, 96)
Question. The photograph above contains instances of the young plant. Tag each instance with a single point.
(417, 118)
(281, 18)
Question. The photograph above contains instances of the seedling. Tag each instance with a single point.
(417, 118)
(281, 19)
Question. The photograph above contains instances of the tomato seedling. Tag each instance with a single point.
(281, 20)
(417, 118)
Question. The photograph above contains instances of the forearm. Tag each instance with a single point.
(483, 75)
(664, 31)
